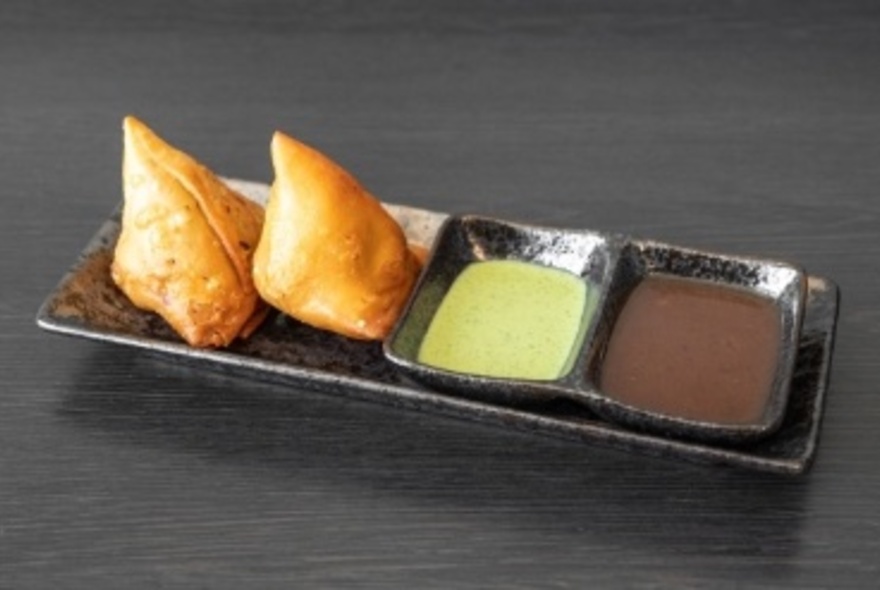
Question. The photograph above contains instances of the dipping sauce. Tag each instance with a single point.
(695, 350)
(508, 319)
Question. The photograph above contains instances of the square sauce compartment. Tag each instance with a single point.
(503, 311)
(697, 345)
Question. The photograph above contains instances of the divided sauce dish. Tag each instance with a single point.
(712, 302)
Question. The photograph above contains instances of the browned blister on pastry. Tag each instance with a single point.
(330, 255)
(187, 243)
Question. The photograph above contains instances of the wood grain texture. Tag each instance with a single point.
(745, 127)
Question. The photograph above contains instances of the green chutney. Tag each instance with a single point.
(509, 319)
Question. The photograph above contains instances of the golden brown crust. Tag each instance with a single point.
(187, 242)
(419, 252)
(330, 255)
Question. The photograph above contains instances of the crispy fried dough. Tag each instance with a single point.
(187, 243)
(330, 255)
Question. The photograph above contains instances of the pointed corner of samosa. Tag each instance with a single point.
(131, 124)
(287, 149)
(298, 162)
(277, 138)
(283, 149)
(136, 131)
(140, 140)
(146, 146)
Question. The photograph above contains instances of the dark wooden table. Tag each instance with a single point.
(745, 127)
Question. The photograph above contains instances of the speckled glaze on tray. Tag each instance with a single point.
(87, 304)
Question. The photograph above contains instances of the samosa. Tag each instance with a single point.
(186, 247)
(330, 255)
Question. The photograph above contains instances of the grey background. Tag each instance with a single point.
(745, 127)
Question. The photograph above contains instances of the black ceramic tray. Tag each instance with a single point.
(87, 304)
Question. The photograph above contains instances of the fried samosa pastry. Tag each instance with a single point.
(186, 247)
(330, 255)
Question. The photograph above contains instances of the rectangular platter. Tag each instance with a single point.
(87, 304)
